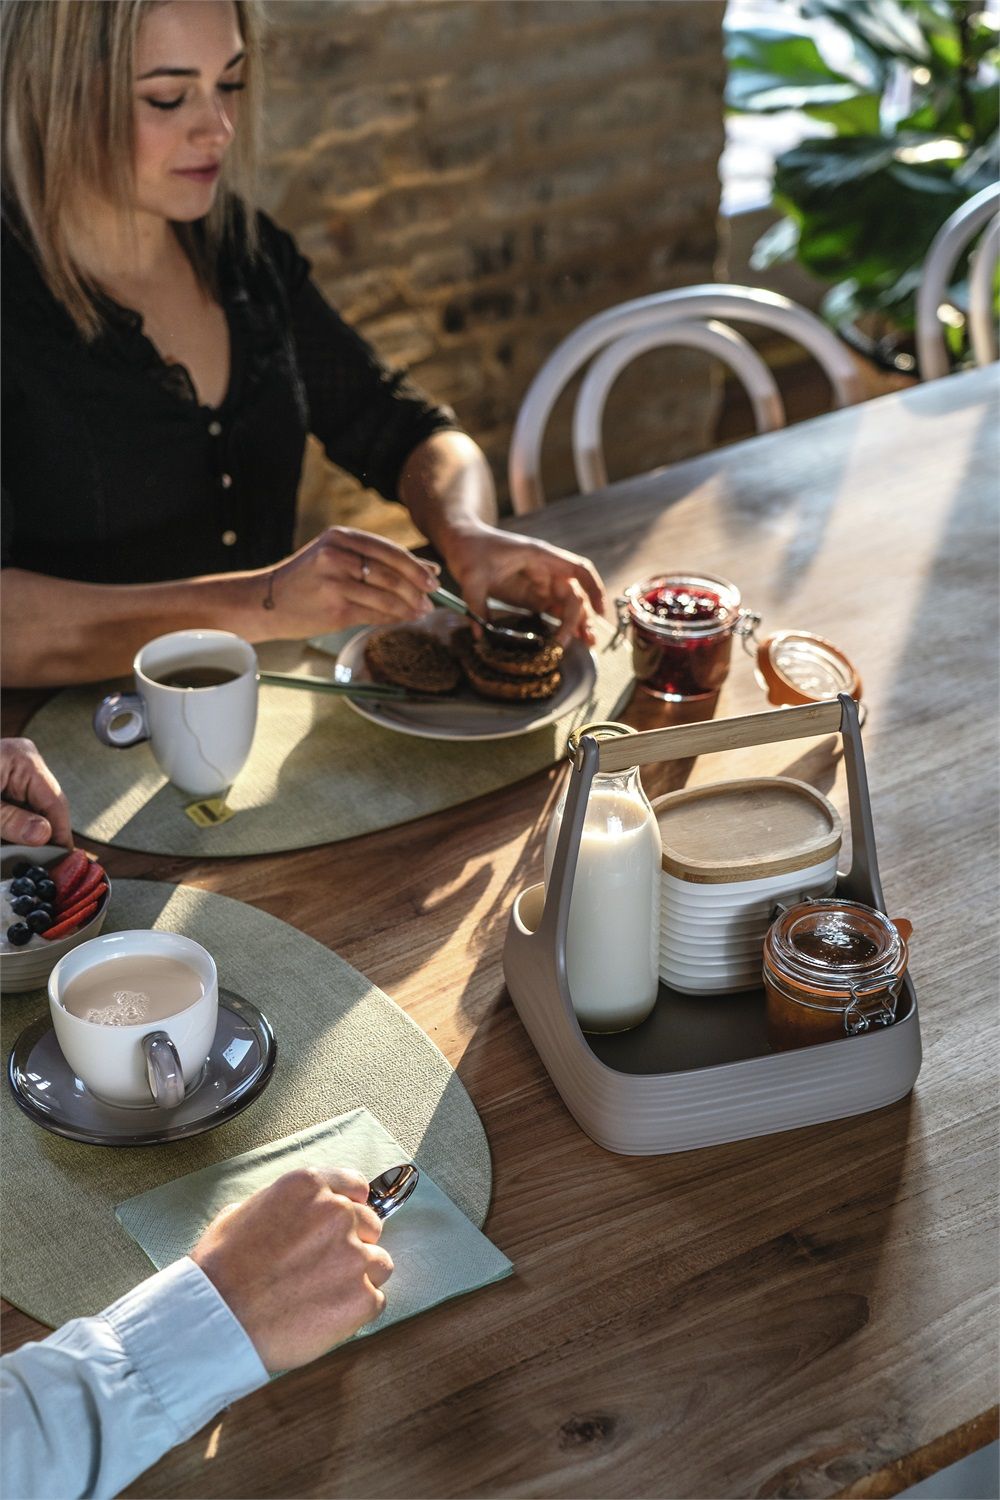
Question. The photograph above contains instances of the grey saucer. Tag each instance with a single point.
(238, 1069)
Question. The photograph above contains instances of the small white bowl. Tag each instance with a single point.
(748, 890)
(713, 952)
(719, 924)
(709, 986)
(29, 968)
(712, 972)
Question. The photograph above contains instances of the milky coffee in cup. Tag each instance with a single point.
(133, 990)
(135, 1015)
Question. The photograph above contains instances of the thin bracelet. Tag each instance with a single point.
(269, 596)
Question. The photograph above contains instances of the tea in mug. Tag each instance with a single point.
(194, 675)
(129, 991)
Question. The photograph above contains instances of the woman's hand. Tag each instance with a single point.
(344, 577)
(447, 487)
(519, 570)
(43, 817)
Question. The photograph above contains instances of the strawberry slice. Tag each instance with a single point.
(93, 878)
(75, 879)
(70, 924)
(71, 867)
(78, 906)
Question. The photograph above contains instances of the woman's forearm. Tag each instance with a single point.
(57, 631)
(447, 487)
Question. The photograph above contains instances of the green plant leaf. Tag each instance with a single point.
(857, 116)
(774, 70)
(918, 180)
(983, 39)
(862, 214)
(938, 110)
(843, 303)
(982, 167)
(776, 245)
(945, 48)
(808, 173)
(985, 101)
(890, 30)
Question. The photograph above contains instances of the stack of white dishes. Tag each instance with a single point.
(733, 851)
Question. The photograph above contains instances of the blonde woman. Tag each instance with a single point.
(165, 355)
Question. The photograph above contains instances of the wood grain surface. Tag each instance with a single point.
(808, 1314)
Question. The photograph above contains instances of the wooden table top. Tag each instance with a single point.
(810, 1313)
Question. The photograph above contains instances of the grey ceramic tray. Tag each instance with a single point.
(699, 1071)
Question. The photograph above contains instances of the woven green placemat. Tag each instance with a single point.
(318, 772)
(342, 1044)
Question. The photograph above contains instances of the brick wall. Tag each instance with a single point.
(473, 178)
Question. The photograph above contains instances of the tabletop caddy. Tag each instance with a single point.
(699, 1072)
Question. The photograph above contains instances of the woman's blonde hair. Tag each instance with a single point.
(67, 76)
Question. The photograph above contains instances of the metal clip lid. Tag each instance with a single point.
(601, 729)
(871, 1007)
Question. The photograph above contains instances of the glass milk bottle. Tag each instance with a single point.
(613, 937)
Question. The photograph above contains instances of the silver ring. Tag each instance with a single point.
(366, 568)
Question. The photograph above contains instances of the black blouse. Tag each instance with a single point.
(113, 472)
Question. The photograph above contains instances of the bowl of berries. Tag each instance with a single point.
(50, 900)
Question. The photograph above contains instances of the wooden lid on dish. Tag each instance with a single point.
(745, 830)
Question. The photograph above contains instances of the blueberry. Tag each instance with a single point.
(39, 920)
(37, 873)
(48, 907)
(21, 868)
(45, 890)
(19, 934)
(23, 886)
(23, 904)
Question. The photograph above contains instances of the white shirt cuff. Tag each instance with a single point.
(187, 1346)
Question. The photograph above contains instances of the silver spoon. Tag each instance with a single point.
(390, 1190)
(507, 634)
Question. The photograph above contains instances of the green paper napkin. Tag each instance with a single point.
(437, 1252)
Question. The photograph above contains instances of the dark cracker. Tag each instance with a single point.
(412, 659)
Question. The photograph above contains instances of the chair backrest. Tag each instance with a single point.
(714, 338)
(982, 318)
(746, 304)
(939, 264)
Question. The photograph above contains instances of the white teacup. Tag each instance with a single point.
(200, 735)
(149, 1063)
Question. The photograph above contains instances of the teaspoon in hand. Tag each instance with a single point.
(390, 1190)
(506, 633)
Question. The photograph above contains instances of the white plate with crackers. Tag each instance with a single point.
(462, 713)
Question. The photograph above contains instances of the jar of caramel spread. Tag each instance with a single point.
(832, 968)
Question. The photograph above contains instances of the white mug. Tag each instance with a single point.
(150, 1063)
(200, 736)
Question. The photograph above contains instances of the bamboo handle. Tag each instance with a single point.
(682, 740)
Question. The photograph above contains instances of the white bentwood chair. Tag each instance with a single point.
(954, 236)
(620, 334)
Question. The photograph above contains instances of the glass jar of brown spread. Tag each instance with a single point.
(832, 968)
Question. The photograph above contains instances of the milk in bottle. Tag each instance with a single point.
(613, 938)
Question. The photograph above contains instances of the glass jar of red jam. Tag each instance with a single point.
(681, 626)
(832, 968)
